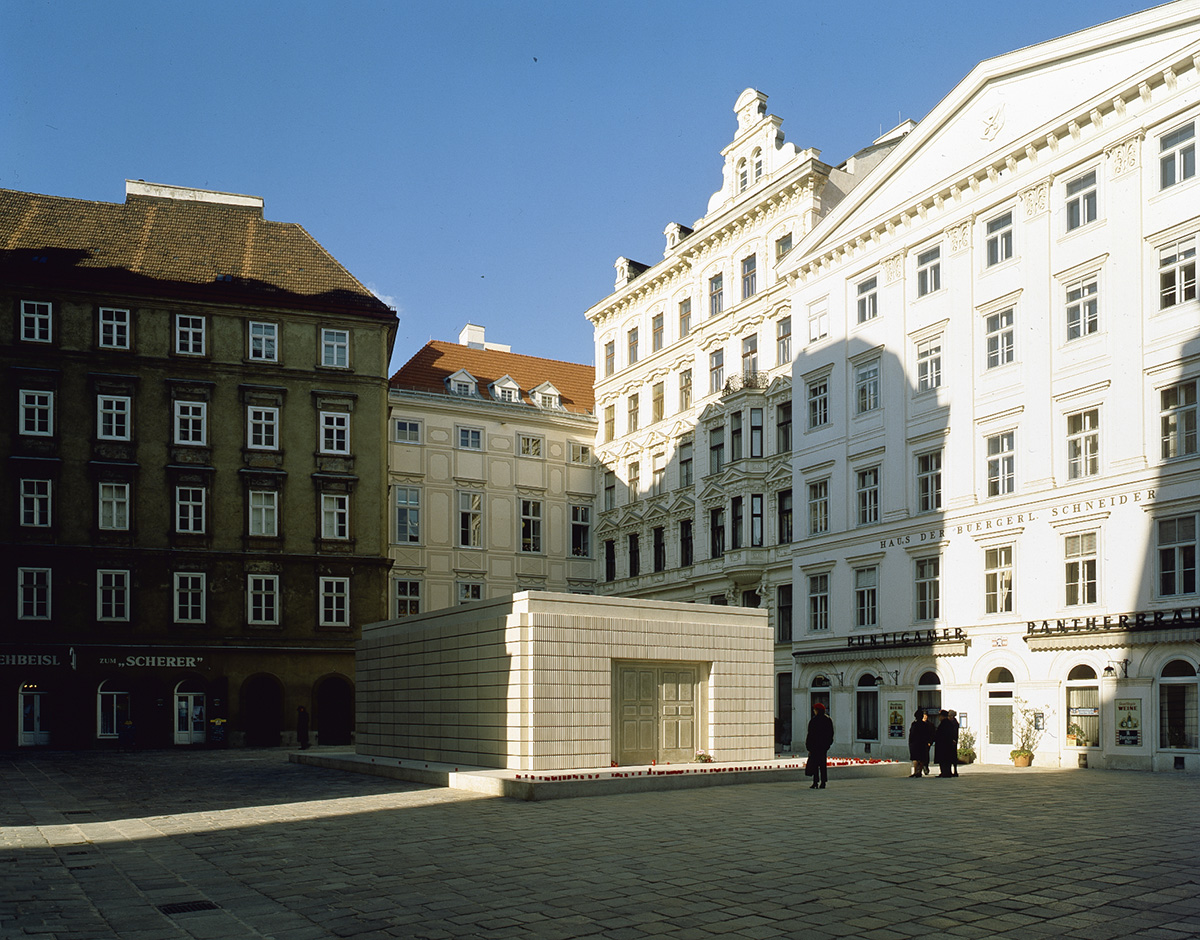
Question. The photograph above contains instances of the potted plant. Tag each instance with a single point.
(1027, 732)
(966, 746)
(1075, 736)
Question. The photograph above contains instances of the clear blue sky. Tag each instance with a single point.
(472, 161)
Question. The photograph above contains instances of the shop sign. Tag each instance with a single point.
(1137, 620)
(908, 638)
(895, 719)
(164, 662)
(31, 659)
(1129, 721)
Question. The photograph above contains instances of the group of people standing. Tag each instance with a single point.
(922, 734)
(943, 738)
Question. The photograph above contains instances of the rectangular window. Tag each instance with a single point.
(783, 341)
(929, 271)
(1177, 155)
(408, 597)
(581, 531)
(335, 602)
(737, 521)
(405, 431)
(735, 436)
(756, 432)
(635, 555)
(783, 616)
(632, 338)
(1083, 309)
(868, 299)
(685, 317)
(610, 422)
(264, 345)
(531, 525)
(581, 454)
(529, 446)
(1177, 272)
(264, 513)
(1080, 553)
(818, 321)
(114, 328)
(262, 428)
(635, 481)
(335, 348)
(1177, 416)
(659, 478)
(610, 490)
(36, 322)
(1081, 200)
(998, 580)
(867, 494)
(716, 449)
(1083, 444)
(716, 371)
(929, 590)
(656, 332)
(33, 593)
(37, 413)
(783, 245)
(262, 598)
(756, 520)
(657, 404)
(610, 358)
(750, 355)
(631, 413)
(749, 276)
(818, 403)
(1001, 463)
(716, 300)
(687, 474)
(1177, 555)
(470, 520)
(189, 596)
(335, 432)
(1000, 239)
(866, 597)
(112, 417)
(114, 506)
(686, 551)
(716, 533)
(660, 549)
(1000, 338)
(866, 714)
(191, 422)
(189, 509)
(818, 602)
(929, 364)
(189, 335)
(866, 386)
(469, 591)
(818, 507)
(470, 439)
(783, 428)
(408, 515)
(929, 481)
(112, 595)
(35, 503)
(685, 389)
(335, 516)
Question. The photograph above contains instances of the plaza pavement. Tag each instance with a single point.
(245, 844)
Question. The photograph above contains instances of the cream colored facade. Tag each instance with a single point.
(693, 386)
(996, 469)
(541, 681)
(489, 494)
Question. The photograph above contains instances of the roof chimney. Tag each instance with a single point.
(471, 336)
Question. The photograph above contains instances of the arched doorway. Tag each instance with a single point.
(1000, 695)
(334, 710)
(262, 710)
(35, 725)
(191, 724)
(112, 712)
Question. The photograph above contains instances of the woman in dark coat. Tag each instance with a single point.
(945, 744)
(920, 736)
(818, 742)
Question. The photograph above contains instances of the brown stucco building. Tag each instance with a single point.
(194, 472)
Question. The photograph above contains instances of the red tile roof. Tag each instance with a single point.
(435, 361)
(156, 246)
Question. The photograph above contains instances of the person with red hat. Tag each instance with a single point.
(818, 742)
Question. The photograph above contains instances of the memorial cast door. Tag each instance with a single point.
(657, 713)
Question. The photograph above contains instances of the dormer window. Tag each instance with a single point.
(462, 383)
(506, 389)
(546, 396)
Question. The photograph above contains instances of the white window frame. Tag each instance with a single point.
(685, 389)
(406, 597)
(868, 376)
(335, 432)
(34, 593)
(818, 602)
(1176, 548)
(531, 527)
(37, 321)
(114, 417)
(581, 453)
(783, 341)
(581, 531)
(263, 513)
(685, 317)
(749, 354)
(470, 519)
(1177, 273)
(929, 363)
(1001, 455)
(999, 239)
(115, 328)
(818, 320)
(866, 597)
(334, 602)
(1082, 199)
(1082, 568)
(37, 412)
(262, 341)
(190, 335)
(191, 423)
(1178, 419)
(927, 587)
(998, 579)
(262, 427)
(470, 438)
(189, 589)
(335, 348)
(1083, 443)
(112, 595)
(867, 298)
(335, 516)
(1177, 155)
(113, 504)
(406, 431)
(406, 515)
(36, 503)
(749, 276)
(1083, 307)
(716, 371)
(716, 295)
(818, 507)
(929, 481)
(867, 484)
(531, 446)
(468, 591)
(262, 599)
(999, 328)
(929, 271)
(656, 332)
(191, 510)
(817, 394)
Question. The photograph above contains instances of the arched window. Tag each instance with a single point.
(756, 158)
(867, 709)
(1083, 707)
(743, 175)
(1000, 674)
(819, 692)
(112, 709)
(1000, 708)
(1177, 705)
(929, 692)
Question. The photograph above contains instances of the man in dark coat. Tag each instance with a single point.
(920, 736)
(945, 744)
(954, 722)
(817, 742)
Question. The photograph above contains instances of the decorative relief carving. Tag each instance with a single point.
(959, 236)
(1036, 199)
(893, 268)
(1123, 156)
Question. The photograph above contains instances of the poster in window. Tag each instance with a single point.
(1129, 721)
(895, 719)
